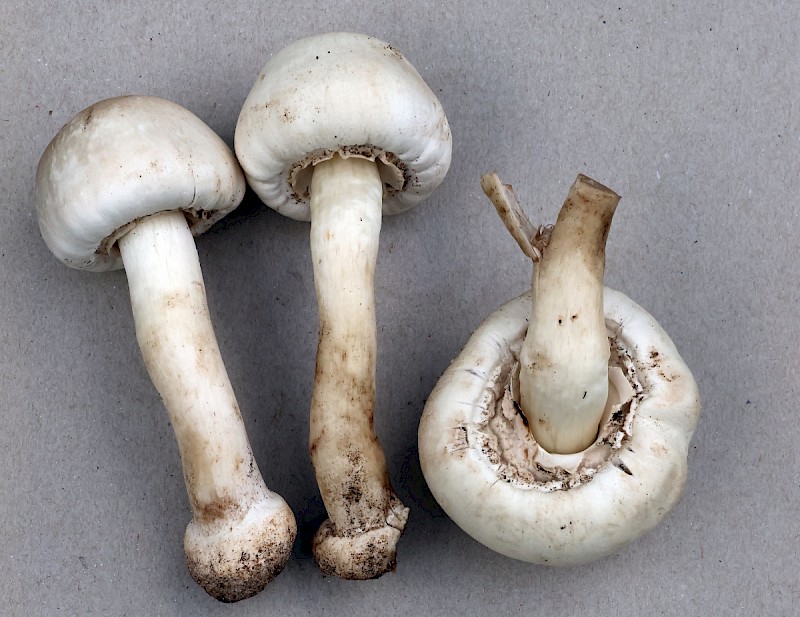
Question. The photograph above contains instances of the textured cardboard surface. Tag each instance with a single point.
(689, 111)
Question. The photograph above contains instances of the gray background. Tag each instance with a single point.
(688, 110)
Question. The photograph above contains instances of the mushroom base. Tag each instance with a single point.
(500, 487)
(364, 555)
(236, 561)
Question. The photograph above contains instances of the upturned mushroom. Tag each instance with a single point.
(127, 182)
(340, 129)
(561, 431)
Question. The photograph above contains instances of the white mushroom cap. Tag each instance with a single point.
(346, 93)
(484, 468)
(123, 159)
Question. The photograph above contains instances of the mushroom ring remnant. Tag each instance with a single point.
(127, 182)
(491, 476)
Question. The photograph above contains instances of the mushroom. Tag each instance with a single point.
(339, 129)
(126, 183)
(561, 431)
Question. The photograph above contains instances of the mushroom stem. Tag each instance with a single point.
(346, 202)
(234, 514)
(564, 360)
